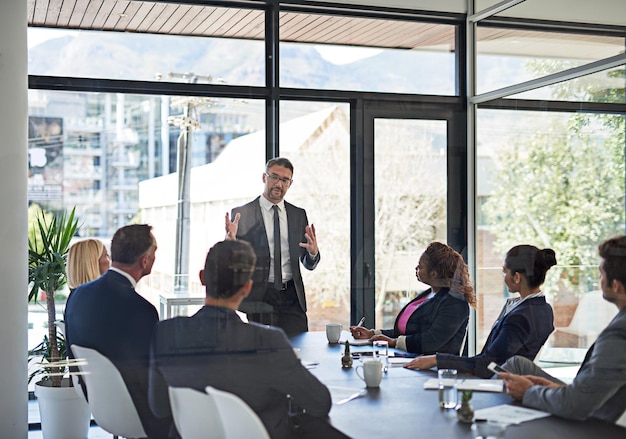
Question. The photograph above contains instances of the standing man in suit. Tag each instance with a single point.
(255, 362)
(277, 296)
(109, 316)
(599, 388)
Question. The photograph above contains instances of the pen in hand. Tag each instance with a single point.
(361, 321)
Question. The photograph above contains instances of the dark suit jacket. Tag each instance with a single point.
(252, 229)
(256, 362)
(521, 332)
(438, 325)
(109, 316)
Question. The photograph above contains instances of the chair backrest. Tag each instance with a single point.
(195, 414)
(238, 419)
(109, 399)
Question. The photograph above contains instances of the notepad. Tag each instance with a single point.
(509, 414)
(476, 384)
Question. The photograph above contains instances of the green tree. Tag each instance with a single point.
(564, 188)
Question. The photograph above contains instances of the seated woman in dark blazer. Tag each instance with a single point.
(436, 320)
(524, 324)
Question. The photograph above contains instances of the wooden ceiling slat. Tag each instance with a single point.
(163, 17)
(217, 13)
(30, 10)
(192, 13)
(52, 17)
(291, 24)
(362, 35)
(67, 8)
(93, 8)
(105, 12)
(120, 7)
(153, 14)
(344, 31)
(173, 19)
(193, 24)
(78, 13)
(143, 11)
(240, 27)
(41, 10)
(329, 23)
(219, 26)
(257, 32)
(125, 17)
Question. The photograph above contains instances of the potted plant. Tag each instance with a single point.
(59, 403)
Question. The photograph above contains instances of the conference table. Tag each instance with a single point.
(402, 408)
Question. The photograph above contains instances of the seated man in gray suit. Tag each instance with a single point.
(599, 388)
(255, 362)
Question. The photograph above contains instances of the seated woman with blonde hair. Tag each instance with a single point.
(436, 320)
(87, 260)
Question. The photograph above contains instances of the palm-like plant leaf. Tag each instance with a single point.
(48, 246)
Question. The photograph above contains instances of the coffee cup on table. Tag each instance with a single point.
(333, 332)
(372, 372)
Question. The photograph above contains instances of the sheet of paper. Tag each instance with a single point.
(476, 384)
(509, 414)
(355, 341)
(398, 361)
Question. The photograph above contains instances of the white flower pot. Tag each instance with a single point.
(64, 414)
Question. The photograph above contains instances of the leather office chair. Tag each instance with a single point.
(216, 414)
(109, 399)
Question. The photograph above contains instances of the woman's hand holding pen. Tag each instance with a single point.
(360, 332)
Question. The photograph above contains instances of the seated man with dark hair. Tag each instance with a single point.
(255, 362)
(599, 388)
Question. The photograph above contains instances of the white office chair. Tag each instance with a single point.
(216, 414)
(109, 400)
(238, 419)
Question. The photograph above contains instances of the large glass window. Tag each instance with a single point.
(510, 56)
(316, 138)
(166, 42)
(410, 187)
(552, 180)
(350, 53)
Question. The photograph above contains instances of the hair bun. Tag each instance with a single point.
(549, 257)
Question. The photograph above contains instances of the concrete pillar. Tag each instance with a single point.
(13, 219)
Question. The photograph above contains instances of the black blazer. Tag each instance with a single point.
(438, 325)
(252, 229)
(521, 332)
(255, 362)
(109, 316)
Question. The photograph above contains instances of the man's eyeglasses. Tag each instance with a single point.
(275, 179)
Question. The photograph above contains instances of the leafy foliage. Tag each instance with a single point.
(42, 355)
(48, 244)
(564, 186)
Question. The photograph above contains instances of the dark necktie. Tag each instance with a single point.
(278, 275)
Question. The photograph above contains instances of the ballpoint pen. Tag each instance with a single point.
(361, 321)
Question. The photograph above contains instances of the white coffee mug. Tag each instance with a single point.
(372, 372)
(333, 332)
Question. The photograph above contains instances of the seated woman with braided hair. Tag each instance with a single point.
(436, 320)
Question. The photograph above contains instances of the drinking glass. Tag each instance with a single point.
(381, 353)
(447, 388)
